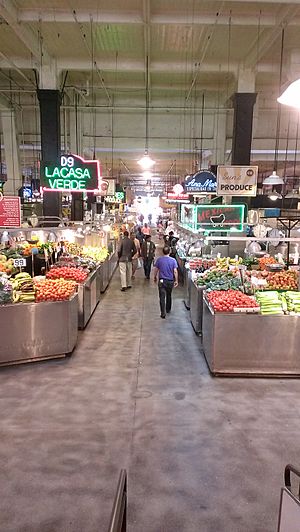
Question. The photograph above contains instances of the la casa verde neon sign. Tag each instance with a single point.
(73, 174)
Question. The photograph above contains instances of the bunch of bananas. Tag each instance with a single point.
(23, 288)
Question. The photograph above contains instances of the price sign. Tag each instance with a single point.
(19, 263)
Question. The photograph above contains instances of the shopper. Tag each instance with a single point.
(126, 250)
(139, 235)
(171, 241)
(166, 269)
(146, 230)
(135, 258)
(148, 254)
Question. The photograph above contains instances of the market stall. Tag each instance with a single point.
(251, 344)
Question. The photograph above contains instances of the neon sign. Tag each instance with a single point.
(74, 174)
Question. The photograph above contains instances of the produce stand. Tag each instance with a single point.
(241, 344)
(44, 330)
(196, 306)
(87, 299)
(104, 276)
(187, 287)
(112, 264)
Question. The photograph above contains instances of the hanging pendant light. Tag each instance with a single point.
(146, 162)
(274, 195)
(274, 178)
(291, 96)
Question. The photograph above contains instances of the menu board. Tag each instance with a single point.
(10, 211)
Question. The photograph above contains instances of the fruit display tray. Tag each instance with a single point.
(240, 344)
(37, 331)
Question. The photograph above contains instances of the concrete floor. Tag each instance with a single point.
(203, 454)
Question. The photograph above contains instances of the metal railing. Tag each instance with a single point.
(289, 512)
(118, 519)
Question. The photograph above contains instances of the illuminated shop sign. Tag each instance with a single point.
(204, 182)
(237, 180)
(73, 174)
(213, 217)
(117, 197)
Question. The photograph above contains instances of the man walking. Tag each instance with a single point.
(126, 250)
(148, 253)
(167, 270)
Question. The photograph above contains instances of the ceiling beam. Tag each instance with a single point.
(132, 17)
(9, 12)
(264, 42)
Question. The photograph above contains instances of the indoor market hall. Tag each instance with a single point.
(201, 453)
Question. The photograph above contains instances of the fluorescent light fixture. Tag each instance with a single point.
(147, 174)
(291, 96)
(146, 162)
(273, 179)
(274, 195)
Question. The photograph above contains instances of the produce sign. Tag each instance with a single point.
(72, 174)
(237, 180)
(203, 182)
(54, 290)
(117, 197)
(231, 301)
(220, 217)
(10, 211)
(75, 274)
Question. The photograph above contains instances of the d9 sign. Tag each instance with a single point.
(72, 174)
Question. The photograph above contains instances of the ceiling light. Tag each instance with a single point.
(147, 174)
(146, 162)
(274, 195)
(293, 194)
(291, 96)
(273, 179)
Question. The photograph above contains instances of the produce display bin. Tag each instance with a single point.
(104, 275)
(187, 280)
(87, 299)
(38, 331)
(241, 344)
(112, 264)
(196, 306)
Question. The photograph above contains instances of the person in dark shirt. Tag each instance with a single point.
(126, 250)
(166, 269)
(147, 254)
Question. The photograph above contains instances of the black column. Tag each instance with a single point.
(77, 207)
(50, 101)
(242, 127)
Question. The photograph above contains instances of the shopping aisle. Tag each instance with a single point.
(202, 454)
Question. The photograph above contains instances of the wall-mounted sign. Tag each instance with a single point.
(73, 174)
(117, 197)
(204, 182)
(10, 211)
(220, 217)
(213, 217)
(172, 197)
(237, 180)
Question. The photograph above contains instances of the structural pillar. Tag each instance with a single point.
(50, 101)
(11, 151)
(77, 210)
(242, 127)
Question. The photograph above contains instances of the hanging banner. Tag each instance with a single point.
(10, 211)
(237, 180)
(73, 174)
(203, 182)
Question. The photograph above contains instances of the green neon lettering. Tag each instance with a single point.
(86, 173)
(56, 172)
(59, 183)
(78, 172)
(47, 173)
(52, 183)
(64, 172)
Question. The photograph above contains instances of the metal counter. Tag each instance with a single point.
(104, 276)
(196, 306)
(187, 280)
(251, 344)
(112, 264)
(37, 331)
(87, 299)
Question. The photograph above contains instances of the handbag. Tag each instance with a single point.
(139, 263)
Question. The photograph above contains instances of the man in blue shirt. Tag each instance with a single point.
(167, 270)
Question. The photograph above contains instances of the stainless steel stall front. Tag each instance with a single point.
(187, 287)
(112, 264)
(104, 275)
(88, 300)
(196, 306)
(251, 344)
(37, 331)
